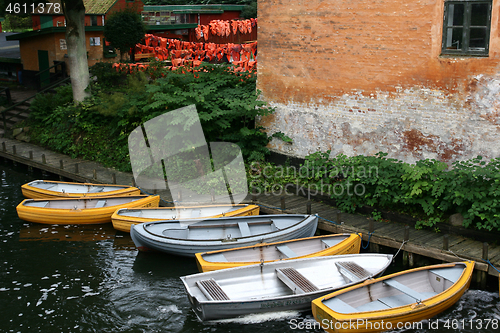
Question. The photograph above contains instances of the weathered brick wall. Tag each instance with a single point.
(359, 77)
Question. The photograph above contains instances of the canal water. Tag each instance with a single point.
(92, 279)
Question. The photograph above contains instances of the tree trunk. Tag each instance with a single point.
(74, 12)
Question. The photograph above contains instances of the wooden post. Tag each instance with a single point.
(308, 207)
(339, 217)
(113, 178)
(282, 202)
(371, 226)
(483, 276)
(43, 159)
(445, 242)
(76, 168)
(31, 154)
(95, 174)
(406, 255)
(61, 164)
(14, 149)
(4, 147)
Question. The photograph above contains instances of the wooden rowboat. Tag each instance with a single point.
(46, 189)
(187, 237)
(80, 210)
(123, 218)
(387, 303)
(318, 246)
(277, 286)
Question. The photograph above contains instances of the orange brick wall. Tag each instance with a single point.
(359, 77)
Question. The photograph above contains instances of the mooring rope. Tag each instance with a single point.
(367, 242)
(402, 244)
(457, 256)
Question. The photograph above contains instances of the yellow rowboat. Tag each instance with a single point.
(80, 210)
(317, 246)
(46, 189)
(395, 301)
(122, 219)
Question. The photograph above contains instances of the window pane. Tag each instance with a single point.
(477, 40)
(479, 14)
(456, 14)
(454, 38)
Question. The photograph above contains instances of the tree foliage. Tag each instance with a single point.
(124, 29)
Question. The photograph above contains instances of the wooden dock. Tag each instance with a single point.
(398, 236)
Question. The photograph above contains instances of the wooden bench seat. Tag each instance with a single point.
(297, 282)
(212, 290)
(100, 204)
(352, 271)
(244, 229)
(96, 189)
(404, 289)
(286, 251)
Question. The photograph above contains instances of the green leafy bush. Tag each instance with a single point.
(428, 189)
(44, 104)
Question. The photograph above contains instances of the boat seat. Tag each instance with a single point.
(100, 204)
(286, 251)
(404, 289)
(133, 213)
(339, 305)
(244, 229)
(295, 281)
(332, 242)
(179, 233)
(352, 271)
(196, 213)
(402, 299)
(215, 257)
(96, 189)
(40, 204)
(212, 290)
(451, 274)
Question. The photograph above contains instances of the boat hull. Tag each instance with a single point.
(46, 189)
(347, 244)
(55, 213)
(305, 226)
(121, 221)
(395, 317)
(257, 288)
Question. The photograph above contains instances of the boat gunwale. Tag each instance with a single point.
(46, 209)
(281, 262)
(145, 225)
(73, 183)
(396, 312)
(184, 207)
(202, 260)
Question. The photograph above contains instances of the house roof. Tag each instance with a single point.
(98, 6)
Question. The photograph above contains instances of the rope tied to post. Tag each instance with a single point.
(367, 242)
(402, 244)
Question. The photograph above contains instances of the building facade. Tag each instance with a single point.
(416, 79)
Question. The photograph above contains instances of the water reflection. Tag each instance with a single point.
(92, 279)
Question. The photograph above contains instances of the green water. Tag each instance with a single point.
(92, 279)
